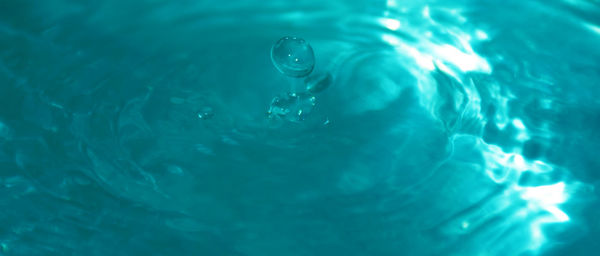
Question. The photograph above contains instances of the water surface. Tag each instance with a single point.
(449, 128)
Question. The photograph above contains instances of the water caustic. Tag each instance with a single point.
(293, 56)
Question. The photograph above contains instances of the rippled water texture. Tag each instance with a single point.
(446, 128)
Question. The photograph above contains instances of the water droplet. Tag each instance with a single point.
(293, 56)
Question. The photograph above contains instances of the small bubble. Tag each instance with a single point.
(293, 56)
(205, 113)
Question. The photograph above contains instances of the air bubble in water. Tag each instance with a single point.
(293, 56)
(205, 113)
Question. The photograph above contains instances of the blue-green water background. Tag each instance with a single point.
(455, 128)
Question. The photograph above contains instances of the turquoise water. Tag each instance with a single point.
(428, 128)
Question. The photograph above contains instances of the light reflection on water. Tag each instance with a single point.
(542, 203)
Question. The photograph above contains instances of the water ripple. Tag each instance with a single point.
(450, 128)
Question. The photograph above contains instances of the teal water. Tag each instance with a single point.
(429, 128)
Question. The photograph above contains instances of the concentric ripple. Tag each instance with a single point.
(444, 128)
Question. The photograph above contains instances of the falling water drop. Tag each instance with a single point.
(293, 56)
